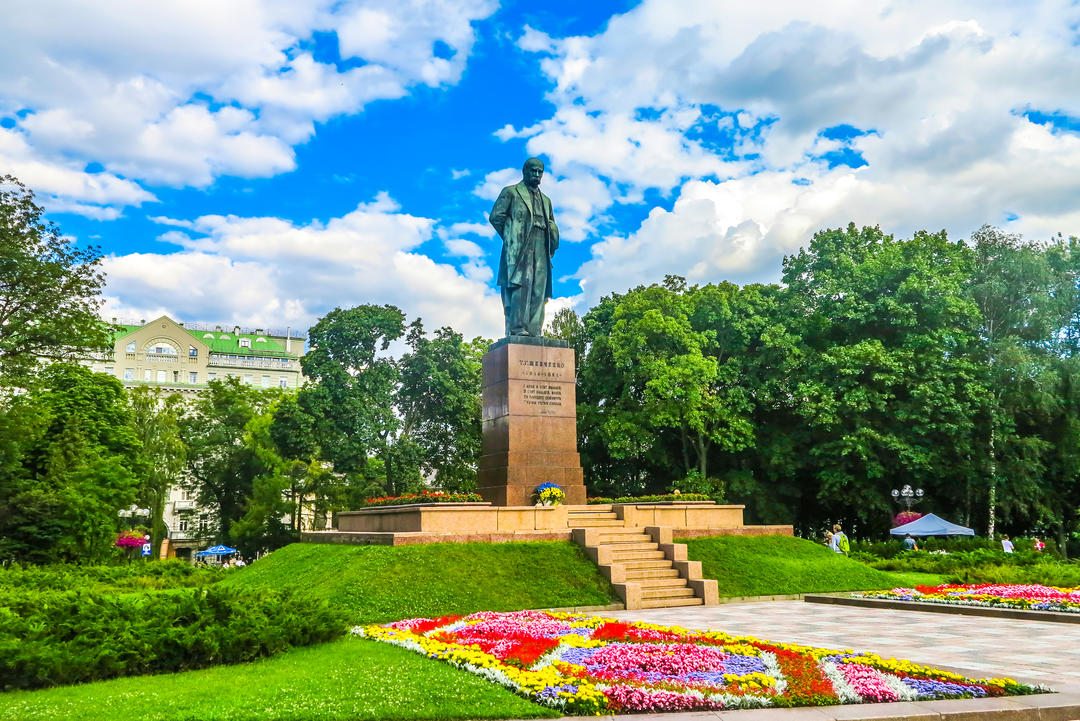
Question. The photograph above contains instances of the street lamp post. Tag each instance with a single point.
(908, 496)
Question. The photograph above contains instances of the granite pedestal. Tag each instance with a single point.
(529, 422)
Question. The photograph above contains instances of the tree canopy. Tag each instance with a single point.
(49, 288)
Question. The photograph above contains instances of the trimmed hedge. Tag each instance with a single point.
(50, 637)
(423, 497)
(603, 500)
(137, 576)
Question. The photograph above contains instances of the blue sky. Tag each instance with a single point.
(264, 161)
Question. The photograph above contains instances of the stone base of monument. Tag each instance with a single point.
(529, 422)
(468, 521)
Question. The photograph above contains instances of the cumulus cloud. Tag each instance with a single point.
(734, 107)
(266, 270)
(181, 92)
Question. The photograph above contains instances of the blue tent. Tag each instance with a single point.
(216, 551)
(931, 525)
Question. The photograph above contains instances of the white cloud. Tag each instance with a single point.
(739, 230)
(576, 199)
(269, 271)
(181, 92)
(65, 186)
(942, 86)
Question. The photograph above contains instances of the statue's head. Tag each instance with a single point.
(532, 172)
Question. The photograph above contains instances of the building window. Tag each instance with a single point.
(182, 525)
(131, 347)
(208, 335)
(185, 494)
(193, 377)
(162, 349)
(160, 376)
(192, 351)
(249, 380)
(266, 381)
(211, 376)
(147, 375)
(245, 342)
(109, 370)
(283, 382)
(129, 374)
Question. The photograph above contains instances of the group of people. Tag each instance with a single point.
(839, 543)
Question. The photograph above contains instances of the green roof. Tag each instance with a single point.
(227, 342)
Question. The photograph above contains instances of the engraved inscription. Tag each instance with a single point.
(542, 394)
(541, 369)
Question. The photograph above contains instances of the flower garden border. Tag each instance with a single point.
(954, 609)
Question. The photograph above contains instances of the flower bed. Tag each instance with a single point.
(1031, 597)
(423, 497)
(666, 497)
(590, 665)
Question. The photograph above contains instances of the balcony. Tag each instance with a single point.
(183, 506)
(162, 358)
(245, 362)
(181, 535)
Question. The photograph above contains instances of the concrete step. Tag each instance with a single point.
(652, 573)
(618, 548)
(625, 539)
(591, 514)
(651, 583)
(669, 592)
(594, 523)
(639, 556)
(624, 556)
(613, 523)
(669, 602)
(641, 565)
(590, 508)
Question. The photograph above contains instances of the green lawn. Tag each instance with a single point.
(389, 583)
(908, 579)
(780, 565)
(349, 679)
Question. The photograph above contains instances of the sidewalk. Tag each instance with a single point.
(1031, 651)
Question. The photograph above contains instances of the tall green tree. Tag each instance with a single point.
(71, 461)
(438, 402)
(351, 395)
(221, 467)
(156, 418)
(49, 288)
(1028, 300)
(886, 387)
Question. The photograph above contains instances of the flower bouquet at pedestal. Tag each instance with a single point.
(549, 494)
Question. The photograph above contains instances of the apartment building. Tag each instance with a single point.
(184, 358)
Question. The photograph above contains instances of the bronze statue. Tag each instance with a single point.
(523, 219)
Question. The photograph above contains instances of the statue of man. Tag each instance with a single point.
(523, 219)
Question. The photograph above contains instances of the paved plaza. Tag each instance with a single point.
(1035, 652)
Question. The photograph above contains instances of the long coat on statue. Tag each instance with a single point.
(512, 218)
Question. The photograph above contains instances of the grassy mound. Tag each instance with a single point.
(374, 584)
(780, 565)
(346, 680)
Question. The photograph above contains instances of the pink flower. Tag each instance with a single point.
(868, 682)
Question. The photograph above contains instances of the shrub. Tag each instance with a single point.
(50, 637)
(130, 576)
(424, 497)
(604, 500)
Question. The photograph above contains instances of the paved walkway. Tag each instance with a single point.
(1035, 652)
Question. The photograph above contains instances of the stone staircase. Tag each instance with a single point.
(644, 566)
